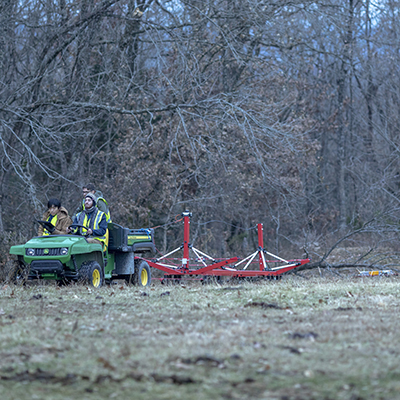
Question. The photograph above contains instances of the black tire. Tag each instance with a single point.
(91, 274)
(142, 275)
(14, 272)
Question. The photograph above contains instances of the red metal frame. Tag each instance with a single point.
(222, 268)
(261, 260)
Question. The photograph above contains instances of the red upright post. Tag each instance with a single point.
(186, 233)
(260, 246)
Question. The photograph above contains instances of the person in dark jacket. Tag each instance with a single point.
(101, 202)
(57, 216)
(94, 220)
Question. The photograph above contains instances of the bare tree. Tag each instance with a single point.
(281, 112)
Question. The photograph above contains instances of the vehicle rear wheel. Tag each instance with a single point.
(142, 275)
(91, 274)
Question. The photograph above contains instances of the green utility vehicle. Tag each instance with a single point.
(68, 258)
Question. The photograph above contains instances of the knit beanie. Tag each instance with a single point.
(92, 196)
(91, 209)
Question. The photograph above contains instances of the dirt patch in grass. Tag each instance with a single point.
(315, 338)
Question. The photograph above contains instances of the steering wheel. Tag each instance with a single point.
(79, 226)
(46, 225)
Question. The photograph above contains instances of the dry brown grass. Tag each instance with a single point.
(321, 338)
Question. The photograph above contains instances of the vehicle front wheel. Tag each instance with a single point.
(91, 274)
(142, 275)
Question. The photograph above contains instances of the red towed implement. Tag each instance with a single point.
(232, 267)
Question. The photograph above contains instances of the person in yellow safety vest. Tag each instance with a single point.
(101, 202)
(94, 220)
(57, 216)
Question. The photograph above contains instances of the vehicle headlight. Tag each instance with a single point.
(30, 252)
(63, 251)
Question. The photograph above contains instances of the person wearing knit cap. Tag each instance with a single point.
(93, 219)
(101, 202)
(93, 197)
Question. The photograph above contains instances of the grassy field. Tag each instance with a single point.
(316, 338)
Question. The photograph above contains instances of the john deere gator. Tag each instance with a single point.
(72, 258)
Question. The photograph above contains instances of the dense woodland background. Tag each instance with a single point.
(241, 111)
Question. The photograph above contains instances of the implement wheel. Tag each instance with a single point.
(142, 275)
(91, 274)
